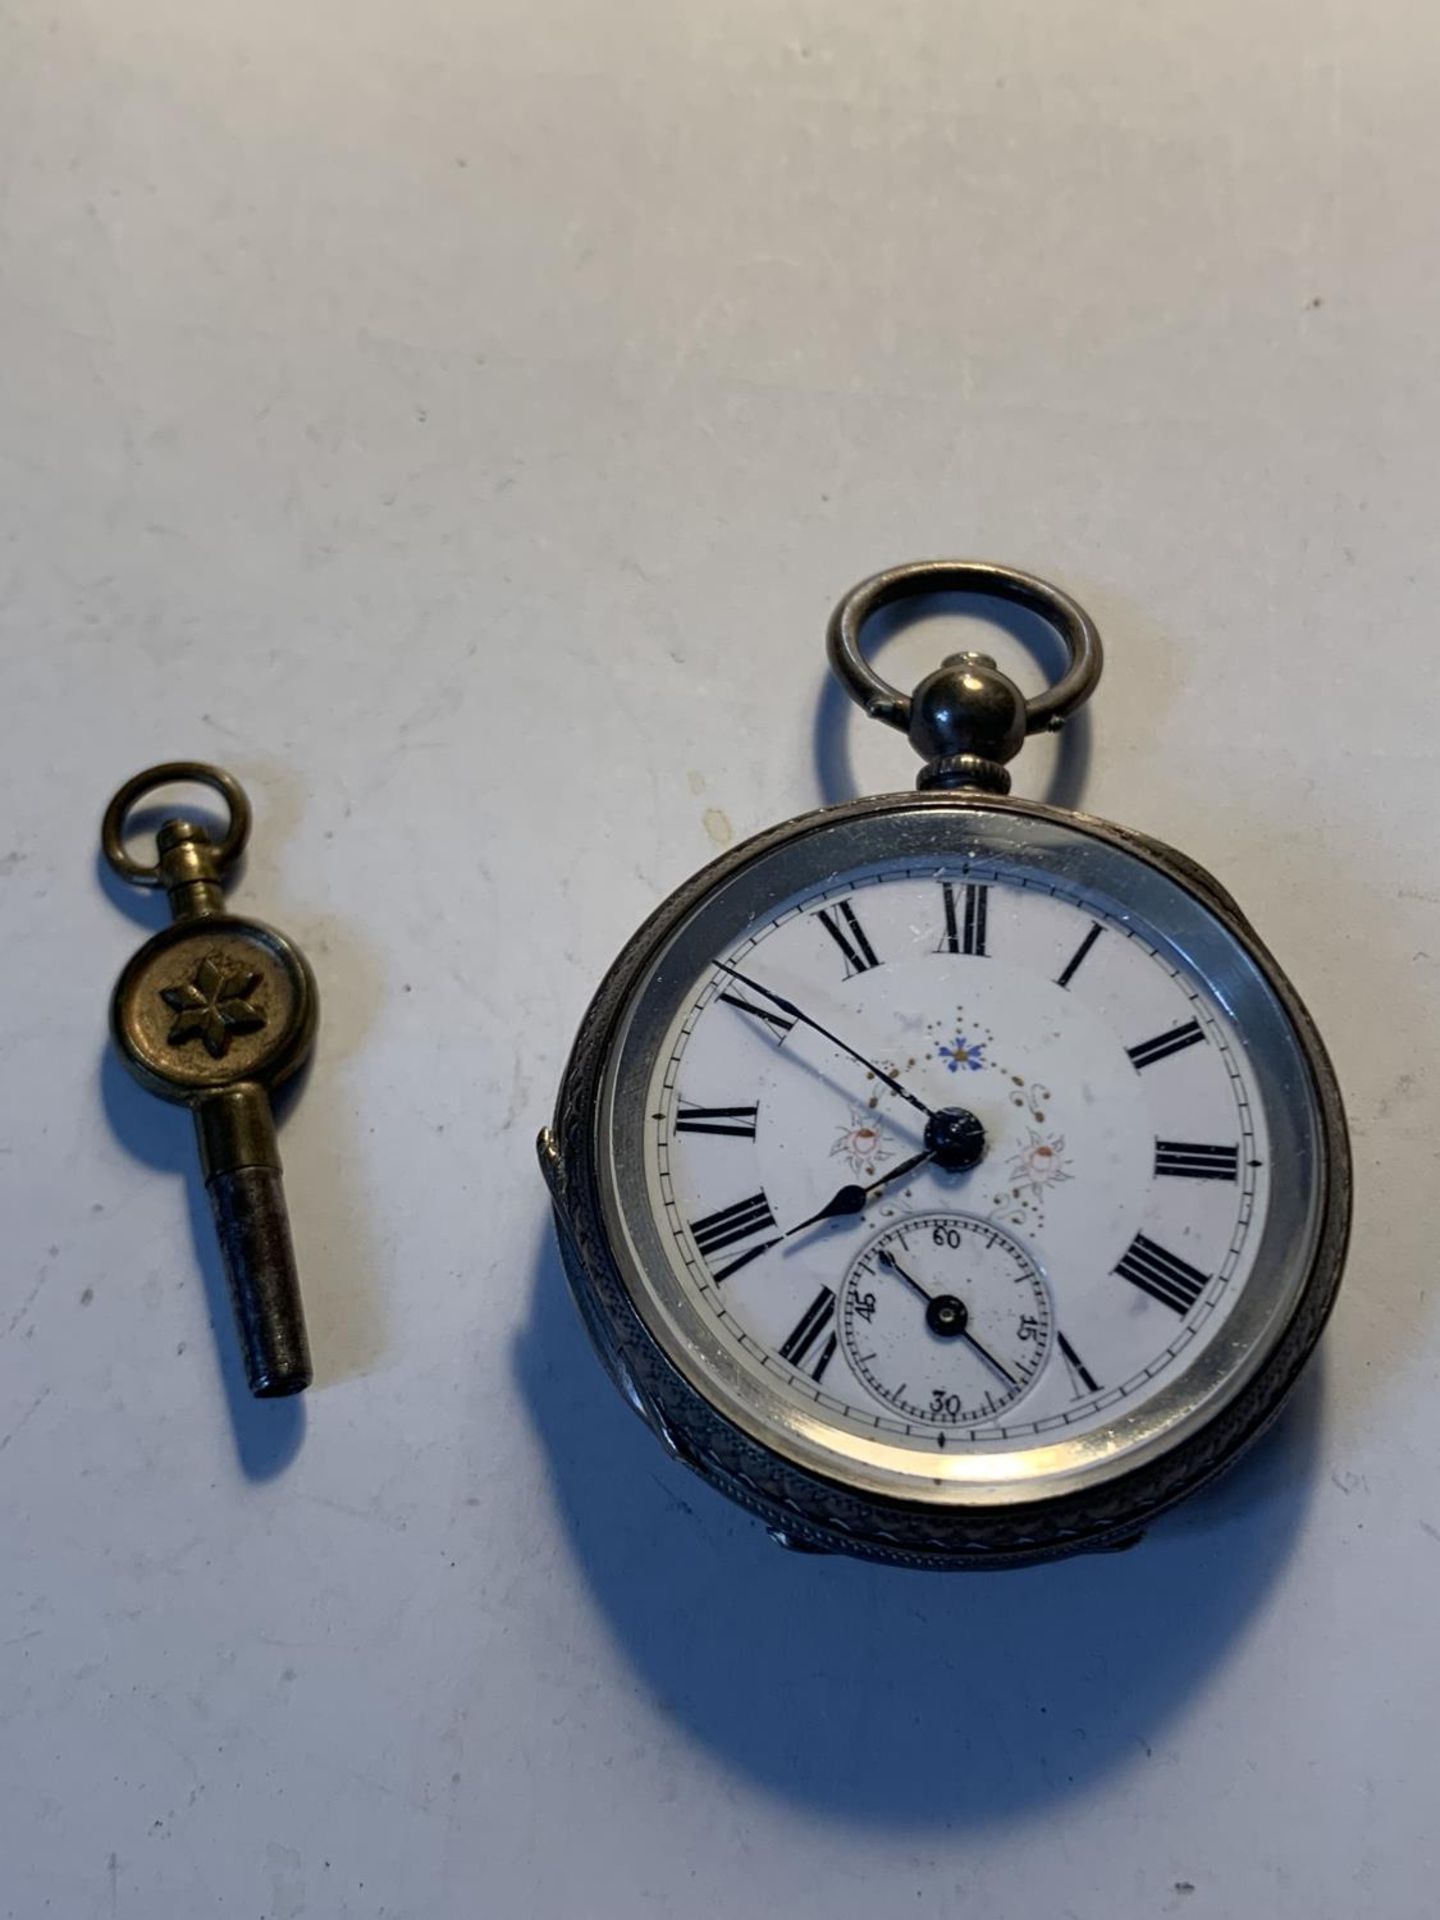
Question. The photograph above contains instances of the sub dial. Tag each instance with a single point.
(945, 1317)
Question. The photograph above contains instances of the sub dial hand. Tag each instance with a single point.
(888, 1260)
(789, 1006)
(855, 1199)
(947, 1316)
(989, 1358)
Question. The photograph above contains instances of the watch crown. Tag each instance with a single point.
(966, 720)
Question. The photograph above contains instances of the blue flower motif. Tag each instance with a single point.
(969, 1054)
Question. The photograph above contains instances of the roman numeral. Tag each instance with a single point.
(1163, 1275)
(1077, 959)
(1076, 1365)
(737, 1122)
(1192, 1162)
(815, 1324)
(740, 1222)
(849, 936)
(1164, 1044)
(781, 1023)
(965, 927)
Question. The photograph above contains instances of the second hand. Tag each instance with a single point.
(888, 1260)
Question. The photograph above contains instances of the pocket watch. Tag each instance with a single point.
(951, 1179)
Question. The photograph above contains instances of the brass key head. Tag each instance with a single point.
(213, 1001)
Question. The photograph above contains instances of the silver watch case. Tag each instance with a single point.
(746, 1452)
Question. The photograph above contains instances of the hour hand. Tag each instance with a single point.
(855, 1199)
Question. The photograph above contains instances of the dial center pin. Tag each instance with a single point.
(947, 1316)
(955, 1139)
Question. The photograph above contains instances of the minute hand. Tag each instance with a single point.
(796, 1013)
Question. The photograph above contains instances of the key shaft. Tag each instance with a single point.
(240, 1156)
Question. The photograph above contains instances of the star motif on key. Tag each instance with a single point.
(214, 1004)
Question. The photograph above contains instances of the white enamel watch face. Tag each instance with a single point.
(959, 1154)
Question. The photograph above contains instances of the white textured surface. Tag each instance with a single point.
(459, 420)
